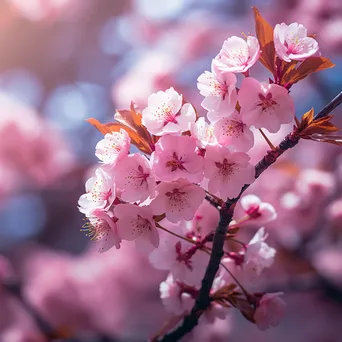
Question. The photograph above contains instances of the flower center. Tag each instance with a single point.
(175, 163)
(142, 224)
(141, 175)
(176, 195)
(266, 101)
(97, 194)
(294, 45)
(167, 114)
(233, 127)
(225, 168)
(96, 230)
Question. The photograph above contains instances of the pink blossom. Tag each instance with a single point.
(137, 224)
(234, 133)
(259, 212)
(270, 311)
(175, 157)
(313, 183)
(237, 55)
(203, 132)
(133, 178)
(227, 171)
(172, 255)
(327, 263)
(165, 113)
(102, 229)
(258, 255)
(178, 200)
(32, 152)
(113, 147)
(174, 299)
(205, 221)
(100, 193)
(292, 43)
(265, 105)
(219, 91)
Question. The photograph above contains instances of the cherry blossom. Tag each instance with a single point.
(174, 298)
(227, 171)
(258, 255)
(292, 43)
(270, 311)
(265, 105)
(113, 147)
(219, 91)
(237, 55)
(100, 193)
(136, 224)
(175, 157)
(178, 200)
(234, 133)
(203, 132)
(133, 178)
(165, 113)
(205, 221)
(102, 228)
(259, 212)
(177, 256)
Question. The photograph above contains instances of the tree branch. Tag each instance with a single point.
(226, 215)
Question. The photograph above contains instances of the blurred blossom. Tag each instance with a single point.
(328, 264)
(27, 146)
(40, 9)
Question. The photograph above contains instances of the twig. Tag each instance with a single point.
(175, 234)
(226, 214)
(267, 140)
(335, 102)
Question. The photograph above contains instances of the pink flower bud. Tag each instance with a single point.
(259, 212)
(270, 311)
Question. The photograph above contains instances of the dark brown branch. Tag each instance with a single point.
(226, 214)
(335, 102)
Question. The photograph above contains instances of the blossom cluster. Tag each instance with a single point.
(161, 198)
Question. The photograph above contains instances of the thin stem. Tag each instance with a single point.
(211, 201)
(238, 222)
(267, 140)
(237, 282)
(175, 234)
(238, 241)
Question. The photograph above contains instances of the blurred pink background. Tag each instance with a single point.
(63, 61)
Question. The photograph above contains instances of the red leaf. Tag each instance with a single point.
(264, 32)
(309, 66)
